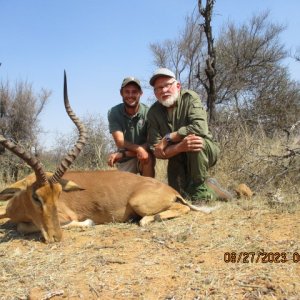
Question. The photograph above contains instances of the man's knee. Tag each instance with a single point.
(147, 168)
(212, 152)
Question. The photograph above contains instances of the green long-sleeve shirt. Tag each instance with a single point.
(188, 117)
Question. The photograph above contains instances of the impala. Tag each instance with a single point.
(46, 201)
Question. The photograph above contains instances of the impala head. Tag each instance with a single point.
(42, 209)
(36, 200)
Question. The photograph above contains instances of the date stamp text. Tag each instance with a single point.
(261, 257)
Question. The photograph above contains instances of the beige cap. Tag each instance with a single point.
(161, 72)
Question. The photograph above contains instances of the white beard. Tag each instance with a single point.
(170, 101)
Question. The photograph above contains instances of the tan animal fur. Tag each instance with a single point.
(101, 196)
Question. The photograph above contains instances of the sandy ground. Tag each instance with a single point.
(191, 257)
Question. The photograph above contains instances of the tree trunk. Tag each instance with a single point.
(210, 69)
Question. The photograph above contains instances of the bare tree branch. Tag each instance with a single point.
(210, 69)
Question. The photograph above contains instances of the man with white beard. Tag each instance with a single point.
(128, 126)
(178, 131)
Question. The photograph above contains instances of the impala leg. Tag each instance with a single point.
(175, 210)
(146, 220)
(150, 202)
(86, 223)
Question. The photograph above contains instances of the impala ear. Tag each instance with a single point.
(23, 183)
(8, 193)
(70, 186)
(16, 187)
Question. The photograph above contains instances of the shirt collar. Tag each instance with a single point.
(133, 116)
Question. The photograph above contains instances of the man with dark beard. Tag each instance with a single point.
(128, 126)
(178, 131)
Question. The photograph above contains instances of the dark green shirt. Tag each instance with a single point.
(188, 117)
(134, 127)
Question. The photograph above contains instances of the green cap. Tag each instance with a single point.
(128, 80)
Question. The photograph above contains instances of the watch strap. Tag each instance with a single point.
(168, 138)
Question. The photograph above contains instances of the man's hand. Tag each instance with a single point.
(142, 154)
(113, 158)
(191, 143)
(159, 150)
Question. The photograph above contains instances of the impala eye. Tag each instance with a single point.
(37, 200)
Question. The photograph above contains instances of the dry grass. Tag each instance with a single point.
(181, 258)
(266, 165)
(2, 184)
(177, 259)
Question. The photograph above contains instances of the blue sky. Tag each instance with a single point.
(101, 42)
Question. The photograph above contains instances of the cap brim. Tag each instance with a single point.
(153, 79)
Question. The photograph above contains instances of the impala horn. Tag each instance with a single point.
(73, 153)
(29, 159)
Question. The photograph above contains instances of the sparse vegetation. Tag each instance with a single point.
(178, 259)
(181, 258)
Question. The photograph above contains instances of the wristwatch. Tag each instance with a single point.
(168, 138)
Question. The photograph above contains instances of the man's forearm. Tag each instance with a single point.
(133, 147)
(176, 137)
(172, 150)
(190, 143)
(168, 152)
